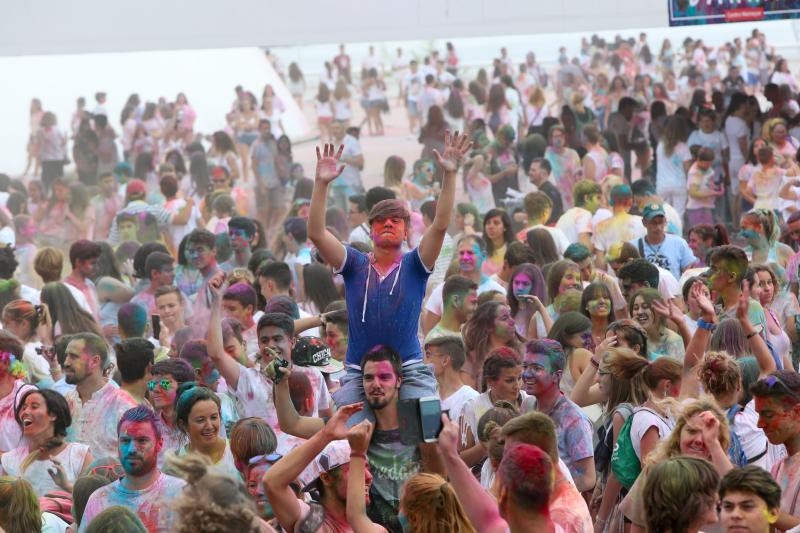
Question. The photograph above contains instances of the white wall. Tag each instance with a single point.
(32, 27)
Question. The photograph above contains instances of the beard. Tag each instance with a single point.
(377, 403)
(140, 468)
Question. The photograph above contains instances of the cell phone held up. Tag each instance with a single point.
(271, 370)
(420, 420)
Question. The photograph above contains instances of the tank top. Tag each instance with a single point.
(71, 458)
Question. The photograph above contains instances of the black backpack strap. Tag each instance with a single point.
(641, 248)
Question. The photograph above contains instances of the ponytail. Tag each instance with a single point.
(720, 235)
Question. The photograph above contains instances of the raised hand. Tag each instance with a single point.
(667, 309)
(328, 168)
(601, 349)
(59, 475)
(703, 302)
(455, 148)
(359, 436)
(215, 284)
(336, 428)
(448, 438)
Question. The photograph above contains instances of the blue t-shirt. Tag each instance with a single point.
(672, 254)
(383, 311)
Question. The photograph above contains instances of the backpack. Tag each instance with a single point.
(624, 463)
(735, 451)
(605, 438)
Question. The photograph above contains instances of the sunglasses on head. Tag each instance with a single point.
(165, 384)
(270, 458)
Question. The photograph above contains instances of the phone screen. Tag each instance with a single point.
(430, 414)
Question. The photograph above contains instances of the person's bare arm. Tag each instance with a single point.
(479, 505)
(454, 149)
(289, 419)
(277, 479)
(113, 290)
(359, 437)
(585, 476)
(429, 320)
(228, 368)
(331, 250)
(586, 391)
(181, 218)
(649, 441)
(758, 346)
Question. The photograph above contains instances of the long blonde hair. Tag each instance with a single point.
(19, 506)
(671, 447)
(431, 506)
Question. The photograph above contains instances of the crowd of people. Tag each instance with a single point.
(594, 268)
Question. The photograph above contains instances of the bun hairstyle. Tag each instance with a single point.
(719, 373)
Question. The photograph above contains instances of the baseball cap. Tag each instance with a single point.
(653, 210)
(334, 455)
(313, 352)
(136, 186)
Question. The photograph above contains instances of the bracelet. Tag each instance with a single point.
(594, 362)
(358, 454)
(708, 326)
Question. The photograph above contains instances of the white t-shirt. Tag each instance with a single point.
(667, 284)
(71, 458)
(671, 174)
(643, 420)
(254, 391)
(455, 402)
(735, 129)
(434, 303)
(573, 222)
(753, 440)
(351, 176)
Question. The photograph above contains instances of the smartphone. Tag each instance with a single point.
(156, 326)
(430, 417)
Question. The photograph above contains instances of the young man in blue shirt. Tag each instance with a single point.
(384, 289)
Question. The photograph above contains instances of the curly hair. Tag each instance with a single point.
(671, 446)
(719, 373)
(211, 500)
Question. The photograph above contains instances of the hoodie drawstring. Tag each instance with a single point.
(366, 290)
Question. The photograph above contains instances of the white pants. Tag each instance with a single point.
(676, 197)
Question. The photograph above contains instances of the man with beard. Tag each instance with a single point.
(95, 404)
(471, 253)
(542, 368)
(384, 289)
(144, 489)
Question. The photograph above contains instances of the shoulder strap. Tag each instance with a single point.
(641, 247)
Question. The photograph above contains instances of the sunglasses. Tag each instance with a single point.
(165, 384)
(270, 458)
(104, 470)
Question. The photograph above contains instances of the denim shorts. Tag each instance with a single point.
(418, 382)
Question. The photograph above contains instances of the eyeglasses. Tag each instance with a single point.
(271, 458)
(107, 470)
(165, 384)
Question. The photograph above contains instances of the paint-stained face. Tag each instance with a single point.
(163, 389)
(746, 512)
(470, 257)
(570, 280)
(599, 306)
(642, 313)
(233, 309)
(537, 374)
(200, 255)
(78, 364)
(381, 383)
(240, 240)
(128, 230)
(720, 275)
(436, 357)
(778, 418)
(336, 339)
(170, 308)
(34, 416)
(389, 232)
(467, 302)
(255, 487)
(504, 323)
(698, 246)
(752, 231)
(138, 447)
(691, 440)
(521, 285)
